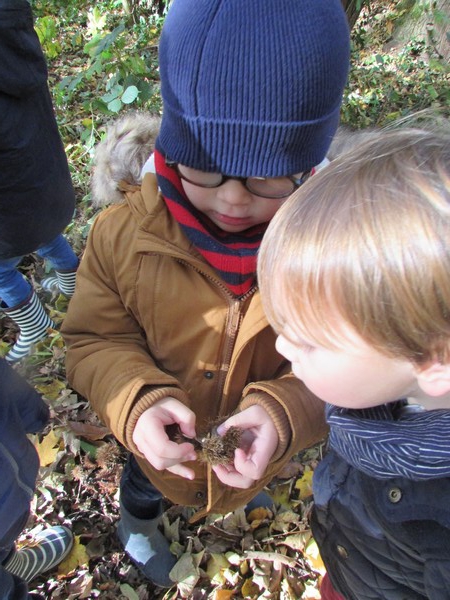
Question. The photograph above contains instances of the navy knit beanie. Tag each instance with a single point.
(252, 87)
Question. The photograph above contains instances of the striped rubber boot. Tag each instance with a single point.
(64, 282)
(47, 550)
(33, 323)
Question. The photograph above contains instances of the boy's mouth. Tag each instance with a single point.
(236, 221)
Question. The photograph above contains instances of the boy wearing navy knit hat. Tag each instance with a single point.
(166, 325)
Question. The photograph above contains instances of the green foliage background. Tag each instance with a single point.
(103, 61)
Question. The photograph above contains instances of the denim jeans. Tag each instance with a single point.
(15, 288)
(137, 494)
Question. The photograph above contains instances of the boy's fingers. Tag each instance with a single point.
(182, 471)
(232, 478)
(253, 467)
(178, 412)
(254, 416)
(167, 453)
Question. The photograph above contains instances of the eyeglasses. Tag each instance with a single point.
(265, 187)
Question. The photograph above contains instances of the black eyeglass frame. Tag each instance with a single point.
(296, 181)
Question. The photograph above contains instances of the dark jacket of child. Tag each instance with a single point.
(22, 411)
(382, 510)
(37, 199)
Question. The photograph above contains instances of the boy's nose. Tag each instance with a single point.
(234, 192)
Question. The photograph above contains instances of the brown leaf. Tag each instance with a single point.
(88, 431)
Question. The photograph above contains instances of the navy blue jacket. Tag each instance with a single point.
(22, 411)
(385, 535)
(37, 199)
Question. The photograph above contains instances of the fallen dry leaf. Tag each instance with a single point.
(304, 484)
(78, 557)
(48, 448)
(88, 431)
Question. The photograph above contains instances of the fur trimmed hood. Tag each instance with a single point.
(130, 140)
(120, 156)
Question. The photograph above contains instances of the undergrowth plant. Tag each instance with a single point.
(389, 80)
(103, 61)
(384, 87)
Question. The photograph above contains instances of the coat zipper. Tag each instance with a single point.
(232, 326)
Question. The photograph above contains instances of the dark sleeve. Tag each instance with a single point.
(21, 410)
(22, 67)
(14, 389)
(37, 199)
(12, 588)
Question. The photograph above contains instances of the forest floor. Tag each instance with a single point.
(268, 555)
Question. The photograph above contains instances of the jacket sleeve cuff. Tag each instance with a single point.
(278, 416)
(145, 399)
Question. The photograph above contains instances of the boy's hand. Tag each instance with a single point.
(152, 440)
(259, 442)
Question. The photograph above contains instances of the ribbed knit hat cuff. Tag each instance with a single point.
(240, 149)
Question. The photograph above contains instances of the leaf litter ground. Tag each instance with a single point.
(268, 554)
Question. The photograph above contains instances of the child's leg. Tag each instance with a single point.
(140, 512)
(12, 587)
(47, 550)
(63, 259)
(59, 254)
(14, 287)
(20, 303)
(137, 494)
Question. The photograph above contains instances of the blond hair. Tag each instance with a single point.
(368, 239)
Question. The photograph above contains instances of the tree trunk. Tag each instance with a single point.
(442, 28)
(132, 7)
(431, 25)
(352, 10)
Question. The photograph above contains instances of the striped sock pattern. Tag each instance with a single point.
(64, 282)
(33, 323)
(50, 547)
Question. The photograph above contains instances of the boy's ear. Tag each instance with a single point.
(434, 379)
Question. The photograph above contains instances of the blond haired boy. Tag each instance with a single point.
(354, 272)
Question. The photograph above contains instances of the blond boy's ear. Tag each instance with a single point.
(434, 379)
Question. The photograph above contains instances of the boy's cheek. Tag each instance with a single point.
(280, 346)
(296, 369)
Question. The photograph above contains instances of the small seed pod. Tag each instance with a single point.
(219, 450)
(212, 448)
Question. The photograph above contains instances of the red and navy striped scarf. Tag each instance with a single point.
(232, 255)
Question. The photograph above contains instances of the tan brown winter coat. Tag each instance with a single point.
(151, 318)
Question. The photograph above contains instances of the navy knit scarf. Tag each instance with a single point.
(389, 441)
(232, 255)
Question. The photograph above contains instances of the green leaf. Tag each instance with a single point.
(96, 21)
(114, 93)
(100, 43)
(90, 449)
(128, 591)
(130, 94)
(115, 105)
(433, 93)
